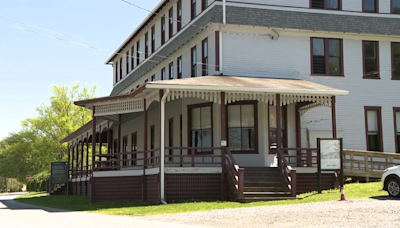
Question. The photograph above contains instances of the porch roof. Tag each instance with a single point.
(248, 84)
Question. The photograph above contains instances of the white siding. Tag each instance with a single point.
(352, 5)
(260, 56)
(294, 3)
(384, 6)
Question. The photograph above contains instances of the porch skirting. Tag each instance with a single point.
(308, 182)
(80, 188)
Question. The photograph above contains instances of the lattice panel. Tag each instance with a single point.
(190, 187)
(119, 108)
(117, 188)
(308, 182)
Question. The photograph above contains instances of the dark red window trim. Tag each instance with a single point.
(376, 7)
(379, 110)
(255, 105)
(326, 4)
(120, 68)
(163, 30)
(116, 72)
(395, 110)
(124, 150)
(179, 67)
(179, 13)
(132, 57)
(189, 115)
(326, 52)
(138, 53)
(392, 56)
(163, 74)
(171, 71)
(204, 4)
(284, 129)
(377, 60)
(153, 78)
(216, 50)
(170, 136)
(193, 62)
(134, 146)
(127, 62)
(193, 10)
(204, 59)
(153, 39)
(146, 45)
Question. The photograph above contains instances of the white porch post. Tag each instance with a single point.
(162, 146)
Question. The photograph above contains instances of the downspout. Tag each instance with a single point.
(221, 37)
(162, 146)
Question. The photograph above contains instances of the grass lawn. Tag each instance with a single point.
(81, 203)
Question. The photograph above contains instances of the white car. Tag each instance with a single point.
(391, 181)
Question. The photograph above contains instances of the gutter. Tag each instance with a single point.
(162, 147)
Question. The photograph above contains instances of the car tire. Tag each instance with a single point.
(393, 187)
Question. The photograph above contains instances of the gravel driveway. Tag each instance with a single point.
(382, 212)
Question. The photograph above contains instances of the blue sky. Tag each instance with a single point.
(31, 63)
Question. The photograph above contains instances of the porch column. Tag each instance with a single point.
(69, 159)
(109, 141)
(161, 144)
(298, 134)
(82, 149)
(278, 122)
(93, 140)
(77, 157)
(72, 161)
(223, 130)
(334, 130)
(144, 150)
(87, 165)
(119, 141)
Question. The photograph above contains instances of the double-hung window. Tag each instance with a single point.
(327, 57)
(124, 150)
(193, 62)
(179, 67)
(132, 57)
(204, 4)
(153, 39)
(138, 53)
(179, 14)
(163, 30)
(116, 72)
(171, 22)
(127, 62)
(205, 57)
(153, 78)
(163, 74)
(201, 133)
(326, 4)
(371, 59)
(171, 71)
(397, 128)
(373, 129)
(370, 6)
(134, 147)
(396, 61)
(242, 133)
(193, 9)
(146, 45)
(396, 6)
(120, 69)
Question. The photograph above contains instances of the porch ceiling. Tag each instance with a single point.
(248, 84)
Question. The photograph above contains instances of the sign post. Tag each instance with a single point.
(28, 177)
(59, 174)
(330, 158)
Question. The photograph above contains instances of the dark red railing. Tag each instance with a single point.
(287, 172)
(301, 157)
(192, 156)
(235, 173)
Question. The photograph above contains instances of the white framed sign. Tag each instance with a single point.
(330, 154)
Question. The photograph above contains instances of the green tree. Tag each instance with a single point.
(31, 150)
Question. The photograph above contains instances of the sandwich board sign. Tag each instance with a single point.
(330, 157)
(59, 174)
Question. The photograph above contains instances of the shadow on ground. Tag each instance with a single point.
(13, 205)
(385, 198)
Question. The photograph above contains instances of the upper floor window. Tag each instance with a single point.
(120, 68)
(204, 4)
(171, 22)
(171, 70)
(370, 6)
(179, 67)
(153, 39)
(138, 53)
(327, 57)
(194, 62)
(179, 14)
(162, 30)
(397, 128)
(205, 57)
(153, 78)
(116, 72)
(193, 9)
(396, 6)
(127, 62)
(163, 74)
(326, 4)
(373, 127)
(132, 57)
(146, 45)
(371, 59)
(396, 61)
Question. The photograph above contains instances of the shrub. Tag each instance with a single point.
(38, 182)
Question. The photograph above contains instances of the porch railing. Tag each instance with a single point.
(78, 173)
(301, 157)
(287, 172)
(235, 173)
(192, 156)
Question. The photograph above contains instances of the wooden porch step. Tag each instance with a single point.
(266, 189)
(256, 199)
(267, 193)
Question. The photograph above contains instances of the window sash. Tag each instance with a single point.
(193, 12)
(138, 53)
(396, 6)
(201, 127)
(370, 6)
(171, 22)
(120, 68)
(162, 30)
(371, 64)
(326, 4)
(194, 62)
(179, 67)
(163, 73)
(179, 13)
(330, 64)
(241, 127)
(132, 57)
(171, 71)
(398, 122)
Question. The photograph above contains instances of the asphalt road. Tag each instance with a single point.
(17, 215)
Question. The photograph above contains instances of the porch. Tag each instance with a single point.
(205, 138)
